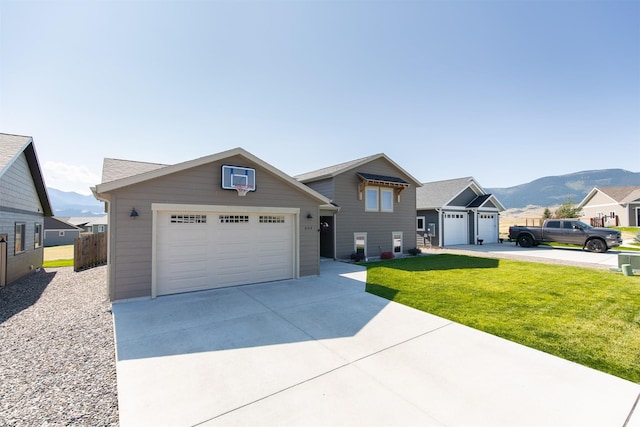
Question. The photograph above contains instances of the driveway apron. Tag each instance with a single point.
(322, 351)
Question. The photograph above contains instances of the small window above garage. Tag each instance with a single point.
(385, 185)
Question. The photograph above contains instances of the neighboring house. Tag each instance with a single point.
(90, 224)
(186, 227)
(24, 203)
(376, 199)
(58, 232)
(456, 212)
(612, 206)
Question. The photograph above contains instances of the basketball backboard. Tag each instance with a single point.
(233, 176)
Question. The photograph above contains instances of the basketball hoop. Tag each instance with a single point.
(242, 189)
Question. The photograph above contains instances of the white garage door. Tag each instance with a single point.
(206, 250)
(488, 227)
(455, 228)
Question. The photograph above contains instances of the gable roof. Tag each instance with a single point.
(114, 169)
(11, 148)
(436, 194)
(620, 195)
(52, 223)
(85, 221)
(129, 173)
(332, 171)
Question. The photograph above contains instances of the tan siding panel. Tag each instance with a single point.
(378, 225)
(198, 186)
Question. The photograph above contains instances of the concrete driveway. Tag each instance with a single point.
(555, 255)
(321, 351)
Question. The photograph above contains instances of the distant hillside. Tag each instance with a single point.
(555, 190)
(69, 203)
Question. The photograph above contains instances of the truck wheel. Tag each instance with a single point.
(596, 245)
(525, 240)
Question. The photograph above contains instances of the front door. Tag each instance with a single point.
(327, 233)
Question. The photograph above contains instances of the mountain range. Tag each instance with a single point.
(556, 190)
(547, 191)
(69, 203)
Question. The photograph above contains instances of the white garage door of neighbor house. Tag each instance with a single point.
(455, 228)
(488, 227)
(206, 250)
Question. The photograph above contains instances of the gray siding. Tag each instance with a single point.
(53, 238)
(19, 202)
(130, 240)
(379, 226)
(324, 187)
(464, 198)
(433, 217)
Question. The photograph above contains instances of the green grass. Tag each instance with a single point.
(58, 263)
(631, 230)
(591, 317)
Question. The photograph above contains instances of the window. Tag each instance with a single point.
(271, 219)
(21, 228)
(397, 242)
(378, 199)
(37, 235)
(233, 219)
(371, 199)
(360, 243)
(101, 229)
(553, 224)
(187, 219)
(420, 223)
(386, 200)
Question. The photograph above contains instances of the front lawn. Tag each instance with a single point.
(588, 316)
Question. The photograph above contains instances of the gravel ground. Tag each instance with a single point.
(57, 354)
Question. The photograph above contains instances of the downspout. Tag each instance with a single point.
(106, 198)
(439, 211)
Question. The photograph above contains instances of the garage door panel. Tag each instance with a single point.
(456, 228)
(227, 250)
(488, 227)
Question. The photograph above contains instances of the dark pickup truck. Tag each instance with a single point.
(570, 231)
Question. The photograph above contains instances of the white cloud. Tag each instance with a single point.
(68, 177)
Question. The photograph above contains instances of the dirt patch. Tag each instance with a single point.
(58, 252)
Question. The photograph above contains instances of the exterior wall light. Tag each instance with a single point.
(134, 214)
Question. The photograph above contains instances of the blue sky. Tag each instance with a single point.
(505, 91)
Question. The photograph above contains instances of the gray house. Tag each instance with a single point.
(221, 220)
(90, 224)
(58, 232)
(456, 212)
(24, 203)
(376, 199)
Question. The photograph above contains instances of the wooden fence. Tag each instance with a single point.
(90, 250)
(605, 221)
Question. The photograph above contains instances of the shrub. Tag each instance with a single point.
(415, 251)
(386, 255)
(357, 256)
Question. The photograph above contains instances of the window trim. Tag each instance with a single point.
(393, 242)
(391, 193)
(21, 240)
(37, 235)
(424, 221)
(355, 242)
(376, 190)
